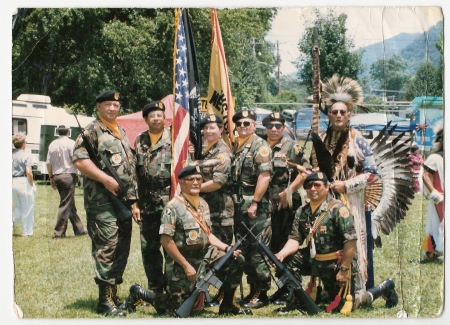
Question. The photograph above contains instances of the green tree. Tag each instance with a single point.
(335, 49)
(374, 104)
(440, 46)
(72, 54)
(390, 73)
(424, 83)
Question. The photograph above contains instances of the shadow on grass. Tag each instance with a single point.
(83, 304)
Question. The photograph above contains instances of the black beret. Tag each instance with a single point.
(244, 114)
(211, 118)
(273, 117)
(414, 147)
(109, 95)
(188, 170)
(316, 176)
(153, 106)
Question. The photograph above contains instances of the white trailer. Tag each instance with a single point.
(38, 119)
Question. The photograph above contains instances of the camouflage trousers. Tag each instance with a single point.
(221, 214)
(152, 256)
(255, 267)
(111, 240)
(301, 265)
(179, 288)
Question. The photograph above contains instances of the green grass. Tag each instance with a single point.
(54, 278)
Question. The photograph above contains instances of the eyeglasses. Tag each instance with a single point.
(155, 115)
(309, 186)
(276, 125)
(192, 179)
(245, 123)
(336, 111)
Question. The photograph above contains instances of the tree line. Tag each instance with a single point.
(72, 54)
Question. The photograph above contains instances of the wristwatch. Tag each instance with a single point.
(343, 268)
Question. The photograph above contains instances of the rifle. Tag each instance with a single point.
(205, 281)
(288, 279)
(121, 208)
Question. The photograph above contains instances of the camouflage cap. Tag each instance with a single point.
(109, 95)
(244, 114)
(153, 106)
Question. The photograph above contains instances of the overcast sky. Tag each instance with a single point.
(365, 25)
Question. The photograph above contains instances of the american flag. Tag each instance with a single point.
(181, 116)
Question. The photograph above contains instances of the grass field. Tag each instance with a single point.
(54, 278)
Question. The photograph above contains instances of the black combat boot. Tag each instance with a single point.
(106, 305)
(249, 296)
(279, 297)
(217, 300)
(258, 300)
(385, 289)
(119, 303)
(139, 294)
(229, 306)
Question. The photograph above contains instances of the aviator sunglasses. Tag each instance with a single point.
(245, 123)
(276, 125)
(309, 185)
(335, 112)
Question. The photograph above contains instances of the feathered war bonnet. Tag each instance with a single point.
(341, 89)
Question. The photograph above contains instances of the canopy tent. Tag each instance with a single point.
(377, 121)
(134, 124)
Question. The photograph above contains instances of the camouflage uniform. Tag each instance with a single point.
(220, 202)
(336, 228)
(153, 166)
(192, 242)
(110, 235)
(283, 175)
(251, 159)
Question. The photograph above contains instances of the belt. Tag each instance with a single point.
(20, 176)
(326, 257)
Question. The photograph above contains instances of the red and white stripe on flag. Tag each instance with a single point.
(180, 124)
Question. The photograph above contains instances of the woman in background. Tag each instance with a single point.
(23, 187)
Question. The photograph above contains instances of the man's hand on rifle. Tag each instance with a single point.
(136, 212)
(111, 185)
(190, 272)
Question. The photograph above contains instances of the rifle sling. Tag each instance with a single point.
(201, 221)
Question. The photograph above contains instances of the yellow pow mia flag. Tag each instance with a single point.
(219, 92)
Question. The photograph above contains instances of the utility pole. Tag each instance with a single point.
(278, 64)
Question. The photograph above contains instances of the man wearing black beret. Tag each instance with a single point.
(190, 246)
(154, 158)
(108, 227)
(327, 226)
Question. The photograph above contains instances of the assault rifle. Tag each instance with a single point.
(288, 279)
(206, 280)
(121, 208)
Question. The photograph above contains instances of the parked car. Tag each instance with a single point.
(303, 119)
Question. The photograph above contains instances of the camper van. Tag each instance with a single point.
(34, 116)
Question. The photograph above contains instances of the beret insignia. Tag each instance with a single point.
(116, 96)
(244, 113)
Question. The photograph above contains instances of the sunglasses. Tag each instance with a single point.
(309, 185)
(246, 124)
(337, 111)
(192, 179)
(276, 125)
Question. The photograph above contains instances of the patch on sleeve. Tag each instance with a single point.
(193, 235)
(264, 151)
(221, 157)
(343, 211)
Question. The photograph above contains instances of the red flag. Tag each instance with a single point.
(180, 123)
(219, 91)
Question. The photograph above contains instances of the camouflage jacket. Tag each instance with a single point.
(251, 159)
(284, 148)
(335, 229)
(119, 154)
(153, 167)
(178, 222)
